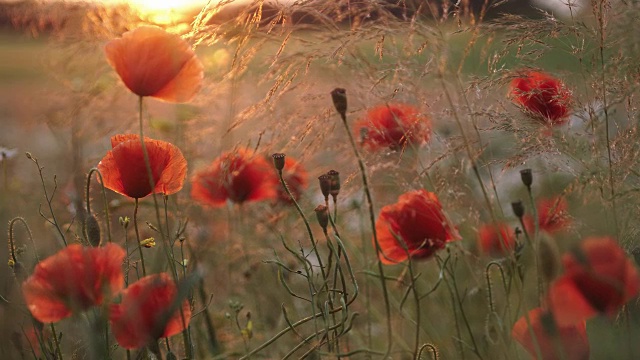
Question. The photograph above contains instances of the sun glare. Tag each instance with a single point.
(165, 11)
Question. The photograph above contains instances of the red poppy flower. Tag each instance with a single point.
(496, 239)
(148, 311)
(125, 172)
(553, 215)
(237, 176)
(73, 280)
(153, 62)
(414, 226)
(543, 96)
(569, 342)
(598, 278)
(295, 176)
(392, 126)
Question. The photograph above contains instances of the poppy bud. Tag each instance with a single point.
(92, 230)
(325, 185)
(322, 213)
(278, 161)
(124, 221)
(518, 209)
(334, 178)
(339, 97)
(527, 177)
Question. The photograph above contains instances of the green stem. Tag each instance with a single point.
(135, 226)
(367, 192)
(56, 341)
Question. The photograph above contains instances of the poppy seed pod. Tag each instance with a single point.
(92, 230)
(322, 213)
(527, 177)
(518, 209)
(334, 177)
(278, 161)
(325, 185)
(339, 97)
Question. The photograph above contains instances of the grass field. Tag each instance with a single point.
(262, 278)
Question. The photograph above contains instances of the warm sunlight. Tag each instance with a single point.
(166, 11)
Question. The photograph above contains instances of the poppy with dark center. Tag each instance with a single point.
(543, 96)
(393, 126)
(555, 342)
(598, 279)
(125, 172)
(296, 178)
(149, 310)
(73, 280)
(153, 62)
(496, 239)
(415, 226)
(239, 176)
(553, 216)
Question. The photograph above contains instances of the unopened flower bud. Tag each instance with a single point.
(124, 221)
(527, 177)
(325, 185)
(339, 97)
(322, 213)
(278, 161)
(334, 178)
(92, 230)
(518, 209)
(29, 155)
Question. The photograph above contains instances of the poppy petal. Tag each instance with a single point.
(554, 341)
(73, 279)
(153, 62)
(124, 169)
(415, 226)
(145, 313)
(392, 126)
(236, 176)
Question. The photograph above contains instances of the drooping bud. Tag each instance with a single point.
(527, 177)
(278, 161)
(325, 185)
(92, 230)
(518, 209)
(322, 213)
(339, 97)
(334, 178)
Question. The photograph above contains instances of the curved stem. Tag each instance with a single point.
(367, 192)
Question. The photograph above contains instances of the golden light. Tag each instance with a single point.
(165, 11)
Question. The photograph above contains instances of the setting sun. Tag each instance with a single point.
(167, 11)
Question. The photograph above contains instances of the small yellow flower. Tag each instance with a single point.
(148, 243)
